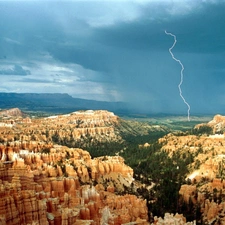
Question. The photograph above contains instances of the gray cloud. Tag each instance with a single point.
(117, 50)
(33, 80)
(16, 70)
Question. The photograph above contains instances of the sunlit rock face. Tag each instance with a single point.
(64, 186)
(77, 129)
(217, 124)
(205, 189)
(96, 125)
(170, 219)
(45, 183)
(82, 128)
(15, 112)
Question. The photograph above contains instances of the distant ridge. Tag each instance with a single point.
(55, 103)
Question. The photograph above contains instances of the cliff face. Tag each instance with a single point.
(217, 124)
(78, 129)
(171, 219)
(14, 112)
(65, 186)
(70, 129)
(45, 183)
(204, 192)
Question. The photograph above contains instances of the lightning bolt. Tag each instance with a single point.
(181, 73)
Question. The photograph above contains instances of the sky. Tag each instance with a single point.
(117, 51)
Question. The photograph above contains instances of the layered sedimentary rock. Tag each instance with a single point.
(217, 124)
(45, 183)
(14, 112)
(64, 186)
(170, 219)
(204, 192)
(77, 129)
(72, 129)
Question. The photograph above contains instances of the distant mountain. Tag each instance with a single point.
(56, 103)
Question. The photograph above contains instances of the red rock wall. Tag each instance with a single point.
(46, 188)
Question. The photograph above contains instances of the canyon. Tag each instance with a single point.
(58, 188)
(46, 183)
(203, 193)
(47, 176)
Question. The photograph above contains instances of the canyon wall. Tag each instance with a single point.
(46, 183)
(203, 195)
(65, 186)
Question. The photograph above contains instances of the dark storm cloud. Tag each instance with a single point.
(201, 31)
(103, 47)
(119, 49)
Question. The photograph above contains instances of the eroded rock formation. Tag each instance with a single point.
(72, 129)
(170, 219)
(64, 186)
(42, 182)
(204, 192)
(217, 123)
(14, 112)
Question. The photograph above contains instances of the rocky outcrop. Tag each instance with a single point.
(217, 124)
(170, 219)
(208, 198)
(44, 182)
(14, 112)
(204, 192)
(202, 148)
(64, 186)
(75, 129)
